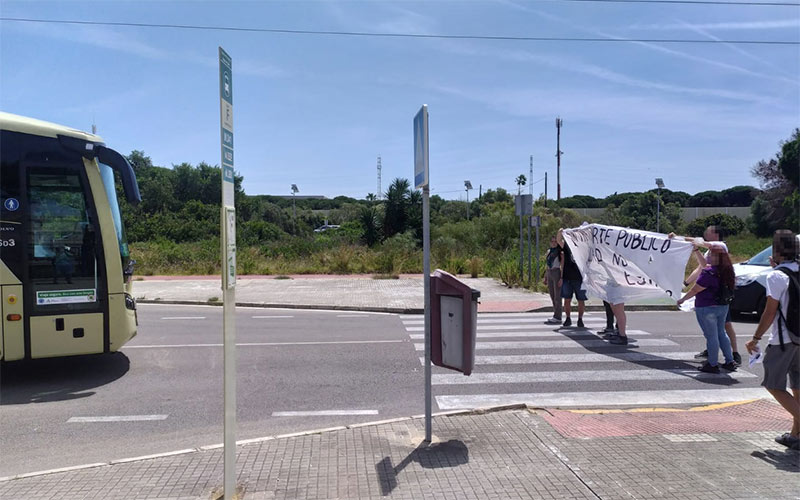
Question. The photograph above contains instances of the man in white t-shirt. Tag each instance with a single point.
(781, 361)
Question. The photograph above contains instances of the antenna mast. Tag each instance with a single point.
(379, 193)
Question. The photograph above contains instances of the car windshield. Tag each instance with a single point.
(761, 258)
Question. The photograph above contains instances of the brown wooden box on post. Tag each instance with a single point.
(454, 317)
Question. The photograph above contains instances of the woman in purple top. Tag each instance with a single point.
(710, 314)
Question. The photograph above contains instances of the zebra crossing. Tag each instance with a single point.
(520, 359)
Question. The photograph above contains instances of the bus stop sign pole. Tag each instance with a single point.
(228, 239)
(421, 181)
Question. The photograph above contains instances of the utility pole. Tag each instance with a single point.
(380, 196)
(659, 184)
(530, 186)
(467, 187)
(545, 189)
(559, 122)
(294, 209)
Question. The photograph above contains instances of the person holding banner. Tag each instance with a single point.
(713, 236)
(710, 314)
(571, 282)
(552, 278)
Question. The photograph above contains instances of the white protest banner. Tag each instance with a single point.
(620, 264)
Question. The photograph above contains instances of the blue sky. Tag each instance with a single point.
(318, 110)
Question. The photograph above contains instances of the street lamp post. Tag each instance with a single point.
(294, 208)
(467, 187)
(659, 184)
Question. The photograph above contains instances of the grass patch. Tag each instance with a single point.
(455, 253)
(744, 245)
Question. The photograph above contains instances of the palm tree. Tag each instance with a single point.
(396, 215)
(520, 182)
(415, 213)
(371, 223)
(371, 197)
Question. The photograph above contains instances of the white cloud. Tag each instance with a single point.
(730, 25)
(110, 39)
(676, 53)
(577, 66)
(621, 110)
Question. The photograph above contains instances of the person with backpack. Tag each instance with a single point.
(713, 236)
(552, 278)
(571, 282)
(782, 316)
(713, 293)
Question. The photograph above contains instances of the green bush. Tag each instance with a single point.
(730, 225)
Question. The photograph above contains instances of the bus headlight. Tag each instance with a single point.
(130, 302)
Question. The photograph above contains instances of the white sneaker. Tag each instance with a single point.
(553, 321)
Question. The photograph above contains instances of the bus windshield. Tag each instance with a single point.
(108, 183)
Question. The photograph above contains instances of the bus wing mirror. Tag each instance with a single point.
(120, 164)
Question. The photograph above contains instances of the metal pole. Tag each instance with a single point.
(529, 249)
(521, 251)
(558, 156)
(545, 190)
(294, 215)
(537, 253)
(467, 190)
(658, 211)
(229, 369)
(426, 282)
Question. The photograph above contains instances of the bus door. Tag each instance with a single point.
(65, 290)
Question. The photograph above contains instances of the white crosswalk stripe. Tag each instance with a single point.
(604, 398)
(493, 321)
(543, 315)
(525, 359)
(526, 352)
(534, 334)
(553, 344)
(591, 324)
(579, 376)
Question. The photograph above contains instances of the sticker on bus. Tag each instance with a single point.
(66, 296)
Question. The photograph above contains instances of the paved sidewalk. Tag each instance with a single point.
(506, 454)
(403, 295)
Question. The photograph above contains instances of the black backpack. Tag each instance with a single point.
(724, 295)
(792, 319)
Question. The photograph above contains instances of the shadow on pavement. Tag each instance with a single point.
(745, 318)
(434, 456)
(788, 461)
(650, 360)
(59, 379)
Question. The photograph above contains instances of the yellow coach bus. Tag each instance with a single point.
(65, 270)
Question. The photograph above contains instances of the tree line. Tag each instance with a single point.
(181, 204)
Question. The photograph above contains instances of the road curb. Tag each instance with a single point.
(390, 310)
(316, 307)
(245, 442)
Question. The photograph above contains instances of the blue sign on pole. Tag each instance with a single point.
(421, 148)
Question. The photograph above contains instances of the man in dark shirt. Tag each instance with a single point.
(571, 282)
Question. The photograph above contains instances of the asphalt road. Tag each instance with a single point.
(163, 392)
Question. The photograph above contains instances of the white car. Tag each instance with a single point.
(325, 227)
(751, 283)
